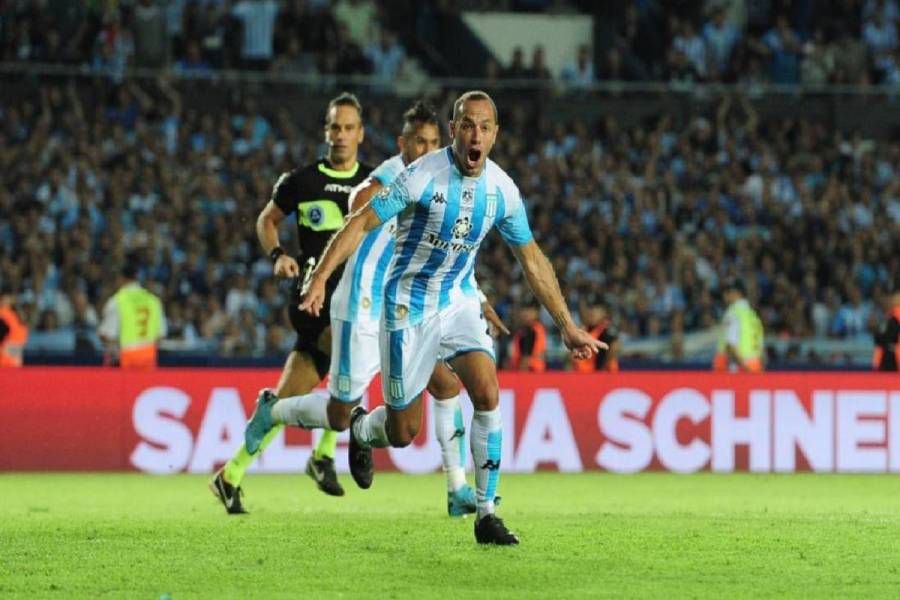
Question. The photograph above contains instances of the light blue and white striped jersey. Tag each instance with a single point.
(358, 295)
(442, 218)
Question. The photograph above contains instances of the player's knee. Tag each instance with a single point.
(402, 436)
(443, 388)
(485, 396)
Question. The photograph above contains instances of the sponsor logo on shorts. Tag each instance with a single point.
(395, 388)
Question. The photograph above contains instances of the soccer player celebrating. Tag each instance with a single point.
(445, 204)
(355, 316)
(318, 193)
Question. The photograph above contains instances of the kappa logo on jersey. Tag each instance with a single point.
(438, 198)
(462, 227)
(316, 215)
(468, 195)
(337, 187)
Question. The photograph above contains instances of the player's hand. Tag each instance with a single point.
(286, 267)
(582, 344)
(312, 296)
(495, 323)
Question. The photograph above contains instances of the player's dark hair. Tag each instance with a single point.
(420, 113)
(344, 99)
(473, 95)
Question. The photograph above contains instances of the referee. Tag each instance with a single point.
(318, 193)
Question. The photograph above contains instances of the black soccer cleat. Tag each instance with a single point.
(228, 495)
(322, 472)
(490, 529)
(360, 458)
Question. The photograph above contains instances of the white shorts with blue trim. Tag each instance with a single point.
(354, 358)
(408, 356)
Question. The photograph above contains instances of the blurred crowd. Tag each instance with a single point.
(305, 37)
(733, 41)
(648, 219)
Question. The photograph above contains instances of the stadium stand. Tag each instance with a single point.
(647, 211)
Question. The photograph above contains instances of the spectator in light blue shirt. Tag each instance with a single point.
(387, 59)
(720, 37)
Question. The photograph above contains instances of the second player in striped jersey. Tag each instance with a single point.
(355, 321)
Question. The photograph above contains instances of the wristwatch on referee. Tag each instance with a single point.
(276, 253)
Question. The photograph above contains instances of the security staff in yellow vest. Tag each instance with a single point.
(133, 322)
(740, 346)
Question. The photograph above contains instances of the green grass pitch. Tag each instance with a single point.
(591, 535)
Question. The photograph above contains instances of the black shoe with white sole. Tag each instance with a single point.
(228, 495)
(322, 471)
(359, 456)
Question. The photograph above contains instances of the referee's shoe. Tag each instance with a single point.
(321, 470)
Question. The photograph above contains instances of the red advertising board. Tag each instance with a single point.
(192, 420)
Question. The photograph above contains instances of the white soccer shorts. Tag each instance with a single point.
(408, 355)
(354, 358)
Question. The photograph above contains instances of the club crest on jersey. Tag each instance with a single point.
(462, 227)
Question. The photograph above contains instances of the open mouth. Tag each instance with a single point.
(473, 156)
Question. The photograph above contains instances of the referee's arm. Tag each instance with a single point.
(339, 249)
(267, 231)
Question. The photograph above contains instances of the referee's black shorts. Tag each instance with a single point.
(309, 329)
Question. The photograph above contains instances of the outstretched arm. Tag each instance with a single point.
(339, 249)
(542, 279)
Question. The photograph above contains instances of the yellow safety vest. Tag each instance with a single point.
(750, 342)
(140, 325)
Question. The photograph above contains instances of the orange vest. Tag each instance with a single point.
(13, 347)
(536, 363)
(143, 357)
(589, 365)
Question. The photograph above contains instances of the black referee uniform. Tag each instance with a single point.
(318, 196)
